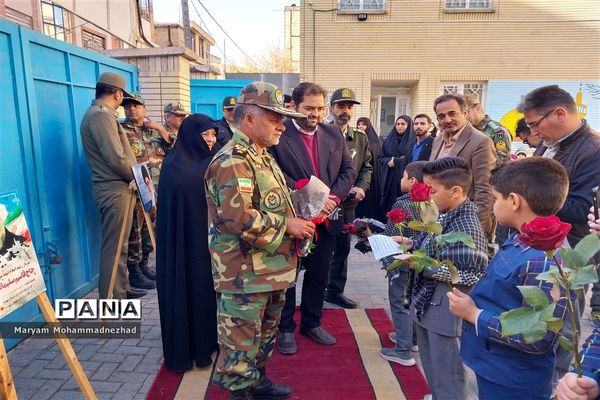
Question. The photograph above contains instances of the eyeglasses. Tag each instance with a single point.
(534, 124)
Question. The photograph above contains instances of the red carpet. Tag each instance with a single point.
(346, 370)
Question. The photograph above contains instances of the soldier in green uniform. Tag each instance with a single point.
(146, 138)
(342, 104)
(495, 130)
(109, 155)
(174, 114)
(253, 236)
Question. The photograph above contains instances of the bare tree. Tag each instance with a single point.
(271, 59)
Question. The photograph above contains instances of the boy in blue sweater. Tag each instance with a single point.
(508, 367)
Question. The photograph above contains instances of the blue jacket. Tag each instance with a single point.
(509, 361)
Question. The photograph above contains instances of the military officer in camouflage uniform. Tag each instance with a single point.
(495, 130)
(342, 104)
(109, 155)
(253, 236)
(174, 114)
(148, 146)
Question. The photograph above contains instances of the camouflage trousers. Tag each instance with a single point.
(247, 327)
(140, 245)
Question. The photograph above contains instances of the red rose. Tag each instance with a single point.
(398, 215)
(301, 183)
(420, 192)
(544, 233)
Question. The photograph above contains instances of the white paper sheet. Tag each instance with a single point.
(383, 246)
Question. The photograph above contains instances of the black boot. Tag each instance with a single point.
(147, 271)
(242, 394)
(135, 293)
(137, 280)
(265, 389)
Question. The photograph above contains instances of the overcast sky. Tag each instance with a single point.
(253, 25)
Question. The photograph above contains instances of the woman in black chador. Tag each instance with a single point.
(186, 295)
(369, 207)
(395, 155)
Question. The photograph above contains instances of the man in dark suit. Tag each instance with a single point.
(308, 147)
(422, 125)
(458, 138)
(225, 124)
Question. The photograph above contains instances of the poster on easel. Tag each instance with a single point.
(145, 187)
(21, 278)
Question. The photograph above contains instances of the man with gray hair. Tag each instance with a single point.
(551, 115)
(253, 237)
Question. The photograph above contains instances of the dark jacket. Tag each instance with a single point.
(358, 145)
(335, 162)
(580, 155)
(224, 133)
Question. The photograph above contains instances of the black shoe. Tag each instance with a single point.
(242, 394)
(286, 343)
(135, 293)
(340, 300)
(319, 335)
(147, 271)
(265, 389)
(137, 280)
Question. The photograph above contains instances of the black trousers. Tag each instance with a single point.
(313, 286)
(338, 272)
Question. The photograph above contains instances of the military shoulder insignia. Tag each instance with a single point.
(245, 185)
(135, 150)
(239, 150)
(501, 145)
(272, 200)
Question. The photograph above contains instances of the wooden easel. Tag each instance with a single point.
(122, 233)
(7, 387)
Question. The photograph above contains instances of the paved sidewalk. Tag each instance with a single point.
(124, 369)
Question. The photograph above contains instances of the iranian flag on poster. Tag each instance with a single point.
(21, 278)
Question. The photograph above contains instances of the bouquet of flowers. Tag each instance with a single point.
(308, 200)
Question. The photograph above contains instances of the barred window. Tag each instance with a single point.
(477, 88)
(469, 4)
(367, 6)
(93, 42)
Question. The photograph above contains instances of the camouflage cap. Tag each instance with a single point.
(133, 98)
(472, 100)
(175, 108)
(344, 95)
(229, 102)
(267, 96)
(113, 79)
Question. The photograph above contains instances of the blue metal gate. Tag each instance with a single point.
(207, 95)
(46, 87)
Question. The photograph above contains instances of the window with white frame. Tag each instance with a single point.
(477, 88)
(469, 4)
(361, 6)
(56, 21)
